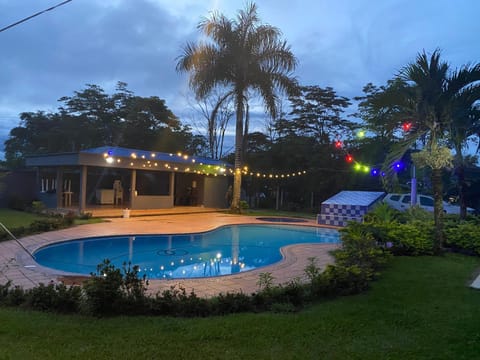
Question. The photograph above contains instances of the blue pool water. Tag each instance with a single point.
(226, 250)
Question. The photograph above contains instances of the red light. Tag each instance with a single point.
(407, 126)
(338, 144)
(349, 158)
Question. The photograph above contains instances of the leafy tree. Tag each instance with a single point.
(316, 112)
(241, 55)
(92, 118)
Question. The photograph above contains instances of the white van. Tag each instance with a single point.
(402, 202)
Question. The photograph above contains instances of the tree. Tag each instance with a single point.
(429, 97)
(92, 118)
(316, 112)
(465, 114)
(241, 55)
(216, 111)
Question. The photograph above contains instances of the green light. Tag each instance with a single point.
(361, 134)
(366, 168)
(357, 167)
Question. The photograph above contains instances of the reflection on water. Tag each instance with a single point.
(227, 250)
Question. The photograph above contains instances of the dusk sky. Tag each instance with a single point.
(339, 43)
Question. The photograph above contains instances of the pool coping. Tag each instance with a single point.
(18, 266)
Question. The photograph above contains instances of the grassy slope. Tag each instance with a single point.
(420, 309)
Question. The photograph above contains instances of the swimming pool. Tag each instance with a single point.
(223, 251)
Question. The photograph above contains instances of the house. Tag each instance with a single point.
(128, 178)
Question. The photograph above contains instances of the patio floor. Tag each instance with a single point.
(17, 265)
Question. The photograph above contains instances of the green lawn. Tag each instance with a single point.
(12, 218)
(421, 308)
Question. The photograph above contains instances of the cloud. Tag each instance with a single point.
(343, 44)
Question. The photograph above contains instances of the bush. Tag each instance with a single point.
(103, 290)
(176, 302)
(415, 238)
(464, 237)
(54, 298)
(37, 207)
(11, 296)
(360, 248)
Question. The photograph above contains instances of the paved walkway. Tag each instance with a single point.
(17, 265)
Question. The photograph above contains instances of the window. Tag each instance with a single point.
(426, 201)
(395, 197)
(406, 199)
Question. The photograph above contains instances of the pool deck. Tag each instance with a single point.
(17, 265)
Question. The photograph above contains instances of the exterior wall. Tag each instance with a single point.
(214, 191)
(17, 188)
(153, 202)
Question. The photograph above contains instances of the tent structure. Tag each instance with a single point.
(348, 206)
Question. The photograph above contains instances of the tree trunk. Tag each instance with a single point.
(461, 191)
(437, 186)
(237, 176)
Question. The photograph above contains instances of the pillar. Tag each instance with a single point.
(82, 196)
(133, 186)
(59, 187)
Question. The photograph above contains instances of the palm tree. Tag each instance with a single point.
(430, 94)
(242, 55)
(465, 115)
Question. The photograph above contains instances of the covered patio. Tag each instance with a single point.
(113, 178)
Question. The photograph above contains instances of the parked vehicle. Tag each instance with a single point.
(402, 202)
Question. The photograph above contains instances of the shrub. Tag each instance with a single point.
(360, 248)
(11, 296)
(176, 302)
(103, 290)
(415, 238)
(55, 298)
(464, 237)
(229, 303)
(37, 207)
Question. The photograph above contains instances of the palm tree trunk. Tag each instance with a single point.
(237, 176)
(437, 186)
(461, 191)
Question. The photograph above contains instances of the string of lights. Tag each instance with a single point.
(365, 168)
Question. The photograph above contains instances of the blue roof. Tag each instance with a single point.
(362, 198)
(154, 155)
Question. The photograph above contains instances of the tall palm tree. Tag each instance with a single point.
(242, 54)
(465, 114)
(429, 97)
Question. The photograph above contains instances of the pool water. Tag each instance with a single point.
(223, 251)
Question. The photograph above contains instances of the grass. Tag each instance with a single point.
(421, 308)
(14, 218)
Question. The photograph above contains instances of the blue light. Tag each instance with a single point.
(398, 166)
(374, 172)
(110, 152)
